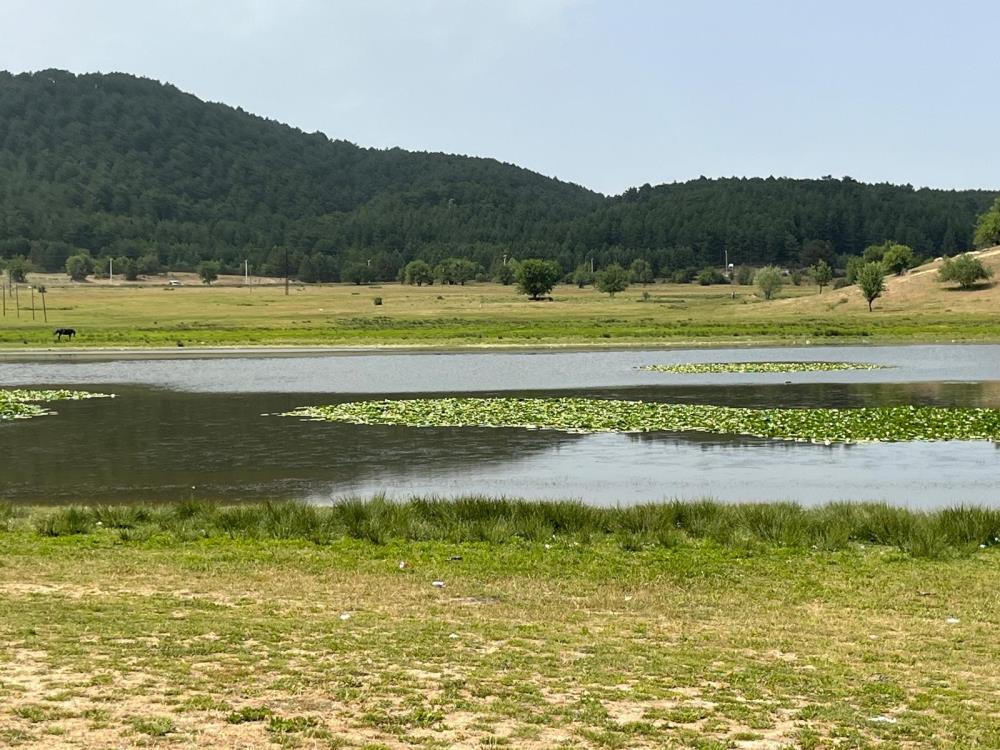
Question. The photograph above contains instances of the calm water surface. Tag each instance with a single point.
(200, 428)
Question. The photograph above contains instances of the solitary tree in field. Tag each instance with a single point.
(898, 258)
(612, 280)
(769, 281)
(536, 277)
(871, 280)
(988, 227)
(208, 270)
(79, 266)
(964, 270)
(18, 269)
(822, 274)
(418, 272)
(583, 276)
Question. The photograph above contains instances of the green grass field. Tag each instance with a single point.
(697, 626)
(149, 314)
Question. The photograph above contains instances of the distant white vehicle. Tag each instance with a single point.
(173, 282)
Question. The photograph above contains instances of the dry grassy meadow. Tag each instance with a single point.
(150, 313)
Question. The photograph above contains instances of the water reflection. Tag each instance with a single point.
(159, 444)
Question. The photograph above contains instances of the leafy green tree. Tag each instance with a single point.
(965, 270)
(898, 258)
(208, 271)
(536, 277)
(354, 272)
(744, 275)
(149, 264)
(854, 266)
(582, 275)
(988, 227)
(875, 253)
(769, 281)
(456, 271)
(822, 274)
(418, 272)
(18, 269)
(611, 280)
(79, 266)
(871, 280)
(129, 268)
(640, 272)
(506, 273)
(711, 275)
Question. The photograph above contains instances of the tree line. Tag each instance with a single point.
(129, 171)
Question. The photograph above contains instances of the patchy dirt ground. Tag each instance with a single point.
(256, 644)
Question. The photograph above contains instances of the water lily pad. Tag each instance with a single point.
(869, 424)
(24, 404)
(700, 368)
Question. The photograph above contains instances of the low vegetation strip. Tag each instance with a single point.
(869, 424)
(486, 623)
(699, 368)
(24, 404)
(476, 519)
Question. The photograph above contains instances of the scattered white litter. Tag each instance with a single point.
(345, 615)
(453, 635)
(952, 621)
(883, 719)
(437, 584)
(402, 564)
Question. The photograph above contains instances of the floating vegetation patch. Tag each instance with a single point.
(24, 404)
(700, 368)
(870, 424)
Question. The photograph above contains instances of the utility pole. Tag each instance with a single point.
(111, 270)
(17, 299)
(286, 270)
(45, 313)
(32, 303)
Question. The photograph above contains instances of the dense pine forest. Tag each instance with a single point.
(125, 167)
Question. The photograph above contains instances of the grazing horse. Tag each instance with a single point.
(68, 332)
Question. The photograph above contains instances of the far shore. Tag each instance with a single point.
(107, 353)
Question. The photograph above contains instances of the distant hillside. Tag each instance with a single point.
(125, 166)
(917, 291)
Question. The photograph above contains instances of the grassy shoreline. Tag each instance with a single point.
(553, 626)
(486, 315)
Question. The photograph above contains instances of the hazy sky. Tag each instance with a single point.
(606, 94)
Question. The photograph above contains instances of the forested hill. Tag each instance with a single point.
(125, 166)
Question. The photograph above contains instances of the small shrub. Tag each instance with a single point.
(155, 726)
(65, 522)
(279, 725)
(248, 714)
(377, 301)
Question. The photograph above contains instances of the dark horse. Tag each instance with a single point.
(68, 332)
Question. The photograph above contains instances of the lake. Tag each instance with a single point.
(201, 427)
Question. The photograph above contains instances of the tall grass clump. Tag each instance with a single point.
(378, 520)
(8, 513)
(65, 522)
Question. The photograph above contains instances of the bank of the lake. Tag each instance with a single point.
(540, 627)
(916, 308)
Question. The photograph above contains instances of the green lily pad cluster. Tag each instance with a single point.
(24, 404)
(700, 368)
(870, 424)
